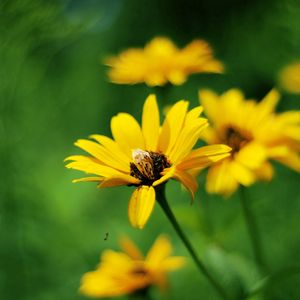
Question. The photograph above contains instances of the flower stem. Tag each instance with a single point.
(252, 229)
(161, 198)
(162, 92)
(142, 294)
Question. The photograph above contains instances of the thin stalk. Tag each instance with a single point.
(142, 294)
(163, 92)
(161, 198)
(252, 229)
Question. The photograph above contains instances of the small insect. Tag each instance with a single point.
(144, 163)
(106, 236)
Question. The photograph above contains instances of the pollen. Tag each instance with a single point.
(147, 166)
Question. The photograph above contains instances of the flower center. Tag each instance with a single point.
(235, 139)
(140, 271)
(147, 166)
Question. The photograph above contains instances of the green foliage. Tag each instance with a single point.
(54, 90)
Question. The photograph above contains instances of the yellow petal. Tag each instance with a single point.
(211, 104)
(210, 150)
(127, 133)
(242, 174)
(82, 158)
(88, 179)
(268, 103)
(115, 259)
(172, 126)
(292, 160)
(95, 284)
(187, 139)
(141, 205)
(117, 181)
(160, 250)
(265, 172)
(204, 156)
(177, 77)
(220, 180)
(232, 99)
(173, 263)
(112, 147)
(114, 277)
(210, 135)
(278, 151)
(155, 79)
(193, 114)
(293, 132)
(252, 155)
(92, 168)
(289, 117)
(160, 46)
(167, 174)
(89, 166)
(130, 248)
(150, 123)
(213, 66)
(103, 155)
(187, 180)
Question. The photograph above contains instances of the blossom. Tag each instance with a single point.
(149, 155)
(289, 78)
(255, 133)
(121, 273)
(161, 62)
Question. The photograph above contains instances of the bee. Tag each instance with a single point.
(144, 163)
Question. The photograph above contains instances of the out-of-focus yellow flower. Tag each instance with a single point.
(148, 156)
(255, 134)
(289, 78)
(127, 272)
(161, 62)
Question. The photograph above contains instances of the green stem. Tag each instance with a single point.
(252, 229)
(142, 294)
(161, 198)
(163, 92)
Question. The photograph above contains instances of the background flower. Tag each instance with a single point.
(161, 62)
(255, 134)
(129, 272)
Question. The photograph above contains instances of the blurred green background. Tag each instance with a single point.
(54, 90)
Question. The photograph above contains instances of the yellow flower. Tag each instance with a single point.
(255, 134)
(126, 272)
(148, 156)
(289, 78)
(161, 62)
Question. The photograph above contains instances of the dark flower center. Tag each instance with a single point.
(147, 166)
(140, 271)
(236, 139)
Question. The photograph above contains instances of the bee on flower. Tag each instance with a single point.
(161, 62)
(129, 272)
(147, 156)
(255, 133)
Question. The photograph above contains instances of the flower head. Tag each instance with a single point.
(255, 134)
(289, 78)
(127, 272)
(148, 156)
(161, 62)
